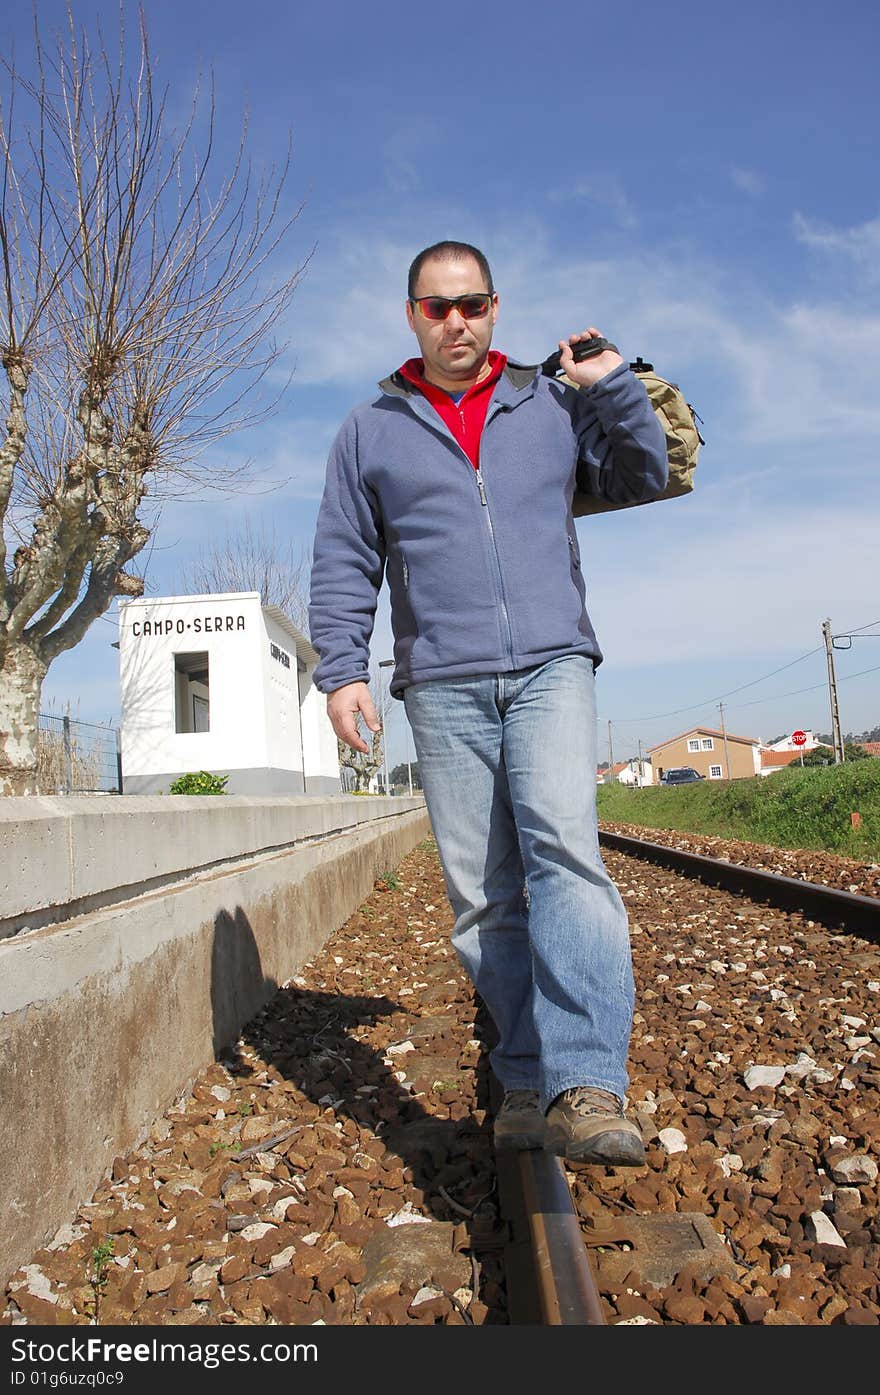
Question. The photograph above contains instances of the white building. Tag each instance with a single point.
(635, 772)
(224, 684)
(785, 743)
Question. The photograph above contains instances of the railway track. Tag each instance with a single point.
(553, 1283)
(828, 905)
(360, 1098)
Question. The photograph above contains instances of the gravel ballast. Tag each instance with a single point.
(336, 1166)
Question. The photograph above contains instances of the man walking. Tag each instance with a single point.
(457, 483)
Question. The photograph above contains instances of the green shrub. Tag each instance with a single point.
(199, 782)
(793, 808)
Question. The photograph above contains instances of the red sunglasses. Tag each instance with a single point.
(437, 307)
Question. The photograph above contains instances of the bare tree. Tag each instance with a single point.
(363, 764)
(255, 559)
(138, 293)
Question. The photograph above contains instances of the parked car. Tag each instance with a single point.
(681, 775)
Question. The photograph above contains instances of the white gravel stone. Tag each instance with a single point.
(847, 1199)
(637, 1321)
(854, 1170)
(221, 1093)
(36, 1283)
(400, 1049)
(756, 1076)
(821, 1076)
(673, 1140)
(824, 1232)
(408, 1215)
(730, 1162)
(257, 1230)
(801, 1067)
(66, 1236)
(425, 1294)
(282, 1259)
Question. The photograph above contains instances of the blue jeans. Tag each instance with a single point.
(508, 764)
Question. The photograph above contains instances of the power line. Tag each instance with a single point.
(659, 716)
(816, 686)
(859, 628)
(706, 701)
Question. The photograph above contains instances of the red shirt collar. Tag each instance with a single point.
(414, 372)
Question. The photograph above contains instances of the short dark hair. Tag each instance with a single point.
(448, 252)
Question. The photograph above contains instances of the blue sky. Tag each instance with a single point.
(698, 181)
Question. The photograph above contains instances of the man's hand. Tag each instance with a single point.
(589, 370)
(343, 706)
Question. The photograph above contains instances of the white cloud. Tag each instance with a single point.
(781, 371)
(703, 581)
(860, 243)
(749, 181)
(606, 192)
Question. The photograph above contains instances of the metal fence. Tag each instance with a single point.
(76, 757)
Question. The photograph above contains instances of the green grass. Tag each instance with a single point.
(793, 808)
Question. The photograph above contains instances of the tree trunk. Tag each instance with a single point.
(21, 681)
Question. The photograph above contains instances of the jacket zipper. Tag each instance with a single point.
(504, 611)
(485, 504)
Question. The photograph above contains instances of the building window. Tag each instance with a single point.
(192, 706)
(714, 772)
(694, 744)
(708, 743)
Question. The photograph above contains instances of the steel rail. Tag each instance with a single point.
(549, 1278)
(854, 913)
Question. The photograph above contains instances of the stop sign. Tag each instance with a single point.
(799, 738)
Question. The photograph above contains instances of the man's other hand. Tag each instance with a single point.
(343, 706)
(589, 370)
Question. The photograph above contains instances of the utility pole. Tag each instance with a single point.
(641, 767)
(384, 663)
(724, 735)
(610, 756)
(832, 689)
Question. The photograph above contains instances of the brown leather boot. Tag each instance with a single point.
(520, 1121)
(588, 1125)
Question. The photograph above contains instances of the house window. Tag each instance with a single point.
(694, 744)
(192, 707)
(714, 772)
(708, 743)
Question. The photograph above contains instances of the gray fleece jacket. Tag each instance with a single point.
(483, 566)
